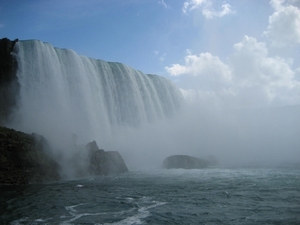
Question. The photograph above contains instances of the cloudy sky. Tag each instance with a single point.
(222, 53)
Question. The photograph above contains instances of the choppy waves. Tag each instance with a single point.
(212, 196)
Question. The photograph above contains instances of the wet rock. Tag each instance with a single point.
(25, 158)
(89, 160)
(104, 162)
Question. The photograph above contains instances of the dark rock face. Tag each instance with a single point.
(104, 162)
(24, 158)
(9, 87)
(184, 162)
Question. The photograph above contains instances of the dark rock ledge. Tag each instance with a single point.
(24, 158)
(27, 158)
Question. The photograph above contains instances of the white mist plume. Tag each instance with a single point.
(264, 137)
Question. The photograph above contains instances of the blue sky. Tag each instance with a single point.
(236, 53)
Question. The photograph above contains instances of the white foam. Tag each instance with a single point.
(144, 204)
(142, 213)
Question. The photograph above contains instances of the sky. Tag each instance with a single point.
(221, 53)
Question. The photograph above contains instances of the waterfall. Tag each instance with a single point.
(62, 93)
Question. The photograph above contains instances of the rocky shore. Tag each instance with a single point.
(28, 158)
(24, 158)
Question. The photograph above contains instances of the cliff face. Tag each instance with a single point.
(25, 158)
(9, 87)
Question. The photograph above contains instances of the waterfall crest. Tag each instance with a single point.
(62, 92)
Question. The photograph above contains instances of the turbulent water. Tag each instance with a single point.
(63, 93)
(210, 196)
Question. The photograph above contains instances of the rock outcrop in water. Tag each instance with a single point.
(188, 162)
(104, 162)
(89, 160)
(25, 158)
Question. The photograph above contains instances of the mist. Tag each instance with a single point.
(242, 108)
(237, 138)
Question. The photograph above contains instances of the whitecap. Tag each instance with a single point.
(19, 221)
(142, 213)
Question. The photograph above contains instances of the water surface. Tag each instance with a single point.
(210, 196)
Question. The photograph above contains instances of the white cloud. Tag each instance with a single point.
(267, 80)
(176, 70)
(207, 8)
(294, 2)
(204, 65)
(284, 24)
(1, 25)
(162, 2)
(210, 13)
(192, 4)
(250, 78)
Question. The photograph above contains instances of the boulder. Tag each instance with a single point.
(184, 162)
(104, 162)
(25, 158)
